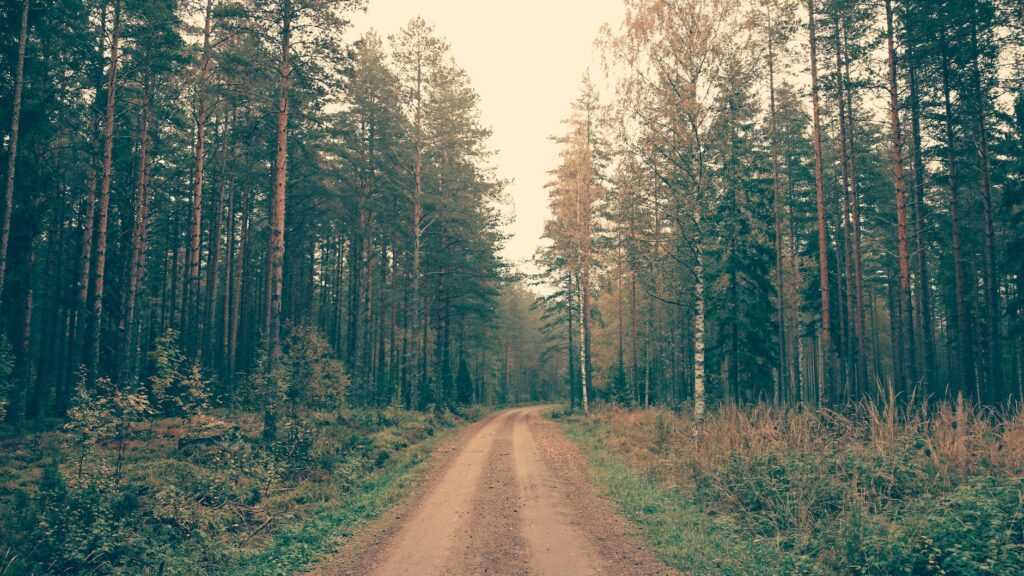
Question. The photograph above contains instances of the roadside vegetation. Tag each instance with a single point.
(152, 481)
(778, 491)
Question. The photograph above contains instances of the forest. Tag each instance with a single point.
(767, 211)
(252, 277)
(161, 154)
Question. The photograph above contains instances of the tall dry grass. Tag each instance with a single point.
(960, 439)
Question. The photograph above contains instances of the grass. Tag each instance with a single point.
(231, 507)
(299, 546)
(877, 490)
(674, 525)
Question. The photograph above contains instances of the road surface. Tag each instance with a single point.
(510, 497)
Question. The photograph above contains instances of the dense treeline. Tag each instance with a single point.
(216, 174)
(787, 209)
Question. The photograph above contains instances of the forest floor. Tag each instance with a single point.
(510, 496)
(238, 506)
(763, 491)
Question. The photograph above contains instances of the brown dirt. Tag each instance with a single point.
(512, 497)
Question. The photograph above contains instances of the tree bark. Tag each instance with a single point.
(780, 284)
(906, 314)
(826, 318)
(277, 218)
(994, 390)
(12, 150)
(967, 381)
(104, 201)
(137, 262)
(192, 334)
(213, 266)
(923, 304)
(858, 260)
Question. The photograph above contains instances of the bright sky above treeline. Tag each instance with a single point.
(527, 60)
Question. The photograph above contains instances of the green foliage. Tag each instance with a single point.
(308, 375)
(176, 386)
(976, 529)
(107, 413)
(680, 532)
(871, 513)
(620, 390)
(200, 511)
(833, 506)
(311, 373)
(464, 385)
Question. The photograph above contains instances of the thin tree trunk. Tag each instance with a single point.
(858, 268)
(12, 149)
(698, 336)
(213, 266)
(633, 333)
(780, 285)
(104, 200)
(417, 231)
(137, 262)
(583, 349)
(23, 347)
(277, 221)
(826, 319)
(964, 330)
(192, 335)
(923, 305)
(241, 267)
(853, 347)
(994, 391)
(906, 314)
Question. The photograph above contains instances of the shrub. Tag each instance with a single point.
(889, 490)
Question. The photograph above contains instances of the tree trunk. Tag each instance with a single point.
(923, 304)
(584, 399)
(192, 334)
(858, 267)
(826, 319)
(698, 337)
(275, 271)
(213, 266)
(906, 314)
(780, 285)
(104, 201)
(854, 344)
(964, 323)
(137, 262)
(994, 390)
(12, 150)
(23, 347)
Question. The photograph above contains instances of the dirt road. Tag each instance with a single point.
(511, 497)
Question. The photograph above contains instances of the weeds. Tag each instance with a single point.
(876, 490)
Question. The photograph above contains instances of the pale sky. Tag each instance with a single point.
(526, 59)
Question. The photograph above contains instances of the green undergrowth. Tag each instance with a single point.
(761, 492)
(672, 523)
(208, 496)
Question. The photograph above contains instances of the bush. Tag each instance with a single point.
(978, 528)
(873, 491)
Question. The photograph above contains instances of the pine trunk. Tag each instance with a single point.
(104, 201)
(275, 271)
(905, 300)
(826, 319)
(12, 149)
(192, 334)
